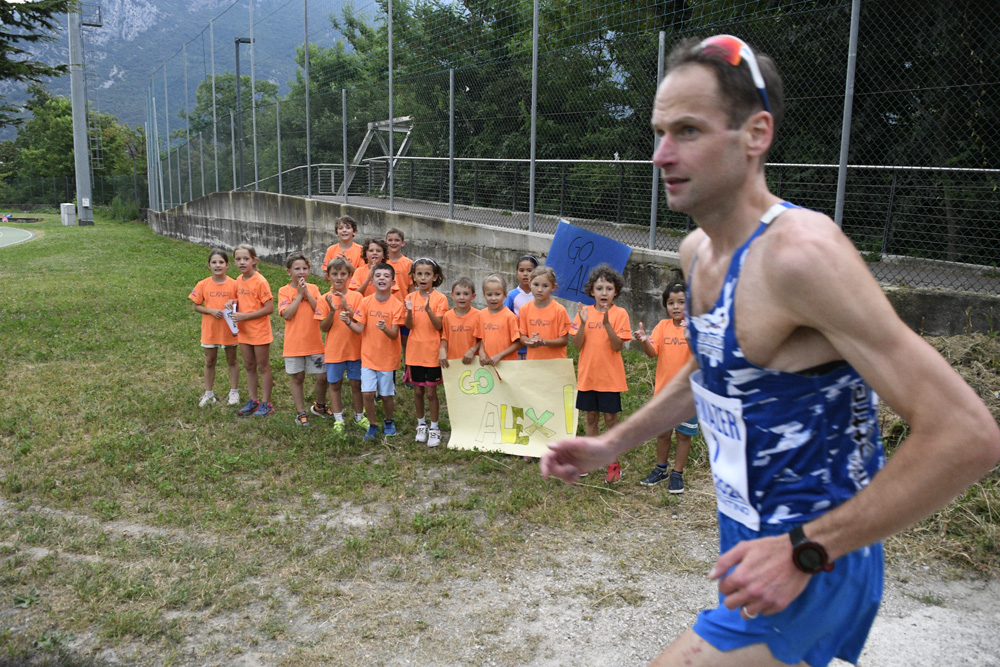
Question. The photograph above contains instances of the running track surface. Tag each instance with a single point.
(12, 236)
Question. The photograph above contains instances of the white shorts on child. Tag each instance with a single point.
(313, 364)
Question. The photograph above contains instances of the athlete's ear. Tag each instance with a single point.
(758, 133)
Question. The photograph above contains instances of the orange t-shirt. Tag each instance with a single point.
(302, 335)
(461, 331)
(549, 322)
(378, 351)
(672, 351)
(402, 268)
(500, 330)
(353, 255)
(425, 341)
(342, 344)
(361, 275)
(601, 368)
(251, 296)
(211, 294)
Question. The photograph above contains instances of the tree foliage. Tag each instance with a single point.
(24, 24)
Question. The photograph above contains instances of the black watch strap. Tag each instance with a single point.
(809, 557)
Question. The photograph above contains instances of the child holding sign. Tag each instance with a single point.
(501, 335)
(544, 323)
(667, 343)
(210, 297)
(599, 331)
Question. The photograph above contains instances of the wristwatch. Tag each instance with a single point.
(809, 557)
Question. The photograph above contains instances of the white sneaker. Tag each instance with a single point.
(234, 397)
(421, 432)
(206, 399)
(434, 437)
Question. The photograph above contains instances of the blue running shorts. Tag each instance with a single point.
(830, 619)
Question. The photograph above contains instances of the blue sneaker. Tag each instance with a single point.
(248, 409)
(263, 410)
(389, 428)
(372, 433)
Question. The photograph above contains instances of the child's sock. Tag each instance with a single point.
(434, 424)
(339, 416)
(388, 422)
(358, 416)
(421, 421)
(662, 466)
(210, 393)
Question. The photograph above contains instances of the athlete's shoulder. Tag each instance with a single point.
(688, 248)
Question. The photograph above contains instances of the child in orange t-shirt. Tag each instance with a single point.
(400, 263)
(254, 305)
(210, 297)
(425, 308)
(343, 348)
(346, 229)
(303, 346)
(374, 254)
(599, 331)
(377, 321)
(461, 328)
(544, 323)
(501, 333)
(670, 347)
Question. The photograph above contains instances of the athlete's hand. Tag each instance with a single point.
(567, 459)
(761, 579)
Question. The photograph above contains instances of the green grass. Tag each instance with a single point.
(131, 517)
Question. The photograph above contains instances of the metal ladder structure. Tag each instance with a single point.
(401, 125)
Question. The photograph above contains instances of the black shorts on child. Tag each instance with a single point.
(425, 376)
(608, 402)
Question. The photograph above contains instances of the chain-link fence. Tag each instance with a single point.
(472, 142)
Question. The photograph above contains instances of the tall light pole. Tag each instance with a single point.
(239, 106)
(81, 146)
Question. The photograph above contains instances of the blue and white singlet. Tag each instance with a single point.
(784, 447)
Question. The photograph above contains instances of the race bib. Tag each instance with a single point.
(721, 421)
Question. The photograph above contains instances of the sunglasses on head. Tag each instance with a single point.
(734, 50)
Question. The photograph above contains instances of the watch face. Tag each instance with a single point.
(810, 558)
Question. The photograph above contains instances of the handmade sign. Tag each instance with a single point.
(518, 407)
(575, 252)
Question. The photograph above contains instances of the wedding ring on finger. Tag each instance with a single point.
(747, 615)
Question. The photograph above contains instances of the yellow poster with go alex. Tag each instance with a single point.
(518, 407)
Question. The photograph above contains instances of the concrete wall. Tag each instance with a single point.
(277, 225)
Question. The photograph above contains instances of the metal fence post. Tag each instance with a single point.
(277, 115)
(451, 144)
(215, 119)
(621, 193)
(232, 134)
(343, 125)
(888, 213)
(392, 180)
(845, 132)
(305, 45)
(475, 182)
(562, 188)
(253, 101)
(201, 157)
(534, 120)
(187, 124)
(654, 199)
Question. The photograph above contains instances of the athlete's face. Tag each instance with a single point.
(701, 160)
(374, 254)
(675, 306)
(338, 279)
(244, 262)
(524, 269)
(462, 296)
(299, 270)
(493, 293)
(541, 288)
(345, 232)
(603, 293)
(395, 243)
(382, 279)
(423, 277)
(217, 265)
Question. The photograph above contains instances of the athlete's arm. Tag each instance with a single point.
(953, 438)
